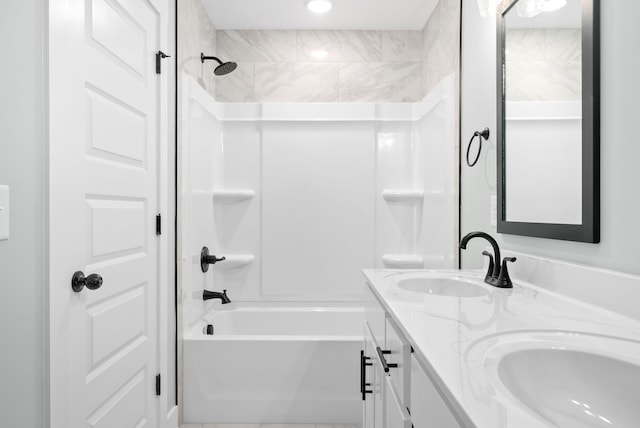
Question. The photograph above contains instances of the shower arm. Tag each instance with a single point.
(203, 58)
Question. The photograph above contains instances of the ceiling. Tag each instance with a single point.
(294, 15)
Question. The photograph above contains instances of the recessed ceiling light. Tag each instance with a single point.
(319, 54)
(319, 6)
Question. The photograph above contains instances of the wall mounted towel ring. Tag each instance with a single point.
(484, 134)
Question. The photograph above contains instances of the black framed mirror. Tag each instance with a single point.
(549, 119)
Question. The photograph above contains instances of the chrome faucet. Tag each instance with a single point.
(224, 299)
(497, 274)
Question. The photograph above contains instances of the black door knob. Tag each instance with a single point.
(79, 281)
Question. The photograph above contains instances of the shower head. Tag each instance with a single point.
(223, 67)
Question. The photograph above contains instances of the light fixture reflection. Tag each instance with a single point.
(319, 6)
(551, 5)
(531, 8)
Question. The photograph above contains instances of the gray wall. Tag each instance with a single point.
(21, 167)
(620, 150)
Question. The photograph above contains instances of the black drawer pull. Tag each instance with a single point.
(363, 375)
(386, 366)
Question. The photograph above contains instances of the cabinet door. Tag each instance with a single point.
(379, 392)
(373, 412)
(367, 381)
(396, 414)
(400, 355)
(428, 408)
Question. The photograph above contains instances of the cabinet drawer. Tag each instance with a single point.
(399, 353)
(428, 408)
(396, 414)
(374, 315)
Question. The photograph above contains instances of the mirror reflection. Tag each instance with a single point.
(543, 112)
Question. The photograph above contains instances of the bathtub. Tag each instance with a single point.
(274, 365)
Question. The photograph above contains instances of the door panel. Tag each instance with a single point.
(123, 143)
(104, 186)
(118, 32)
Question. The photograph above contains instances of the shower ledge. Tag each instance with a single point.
(402, 195)
(233, 196)
(403, 260)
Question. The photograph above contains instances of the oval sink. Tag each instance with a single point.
(574, 389)
(442, 286)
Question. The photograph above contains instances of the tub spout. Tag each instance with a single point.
(224, 299)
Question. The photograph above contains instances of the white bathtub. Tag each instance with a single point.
(274, 365)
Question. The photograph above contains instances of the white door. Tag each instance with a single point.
(104, 143)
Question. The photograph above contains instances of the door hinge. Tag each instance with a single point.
(158, 384)
(159, 224)
(159, 57)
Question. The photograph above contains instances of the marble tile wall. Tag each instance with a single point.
(321, 66)
(197, 34)
(441, 44)
(544, 64)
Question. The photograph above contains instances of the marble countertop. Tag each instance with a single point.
(454, 338)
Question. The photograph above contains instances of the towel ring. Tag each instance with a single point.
(484, 134)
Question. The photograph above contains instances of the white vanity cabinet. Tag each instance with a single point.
(383, 406)
(396, 391)
(373, 383)
(430, 410)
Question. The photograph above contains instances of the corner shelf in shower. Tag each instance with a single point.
(402, 195)
(233, 196)
(235, 260)
(403, 261)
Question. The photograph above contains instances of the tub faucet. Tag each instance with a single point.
(224, 299)
(497, 274)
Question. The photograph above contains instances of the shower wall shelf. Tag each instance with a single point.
(407, 261)
(402, 195)
(235, 260)
(233, 196)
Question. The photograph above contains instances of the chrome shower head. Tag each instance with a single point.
(223, 67)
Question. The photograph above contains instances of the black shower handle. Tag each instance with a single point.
(206, 259)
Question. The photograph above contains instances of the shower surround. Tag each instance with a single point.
(324, 152)
(299, 197)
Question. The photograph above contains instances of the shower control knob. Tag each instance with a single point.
(206, 259)
(79, 281)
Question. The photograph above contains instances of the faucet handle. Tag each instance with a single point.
(206, 259)
(490, 270)
(504, 281)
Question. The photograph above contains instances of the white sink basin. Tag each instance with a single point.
(441, 284)
(574, 389)
(563, 379)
